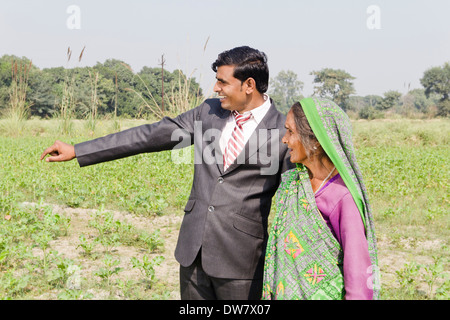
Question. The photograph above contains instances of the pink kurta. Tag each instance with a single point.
(342, 216)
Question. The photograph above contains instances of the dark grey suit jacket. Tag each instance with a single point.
(226, 214)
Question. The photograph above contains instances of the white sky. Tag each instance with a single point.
(297, 35)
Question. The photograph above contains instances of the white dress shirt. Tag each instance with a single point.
(248, 127)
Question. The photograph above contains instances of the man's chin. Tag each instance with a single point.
(225, 106)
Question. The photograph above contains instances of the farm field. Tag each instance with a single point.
(109, 231)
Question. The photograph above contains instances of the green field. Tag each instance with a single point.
(108, 231)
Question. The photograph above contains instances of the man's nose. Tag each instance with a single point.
(216, 87)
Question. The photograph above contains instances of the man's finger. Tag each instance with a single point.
(57, 158)
(48, 150)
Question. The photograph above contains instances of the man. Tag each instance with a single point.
(238, 163)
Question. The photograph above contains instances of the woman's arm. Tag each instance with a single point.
(357, 263)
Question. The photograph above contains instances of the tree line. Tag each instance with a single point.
(432, 100)
(113, 88)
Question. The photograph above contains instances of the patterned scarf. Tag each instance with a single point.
(303, 258)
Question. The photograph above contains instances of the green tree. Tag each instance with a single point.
(5, 80)
(372, 100)
(123, 101)
(367, 106)
(48, 87)
(421, 102)
(87, 80)
(112, 86)
(437, 80)
(285, 90)
(391, 98)
(43, 96)
(335, 84)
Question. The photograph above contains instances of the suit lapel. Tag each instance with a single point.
(219, 121)
(255, 143)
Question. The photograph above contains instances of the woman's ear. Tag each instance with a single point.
(317, 146)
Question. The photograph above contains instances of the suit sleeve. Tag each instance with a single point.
(163, 135)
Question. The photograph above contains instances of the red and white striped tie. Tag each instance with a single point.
(236, 142)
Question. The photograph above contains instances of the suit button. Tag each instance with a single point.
(211, 209)
(220, 180)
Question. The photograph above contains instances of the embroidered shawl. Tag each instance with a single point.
(303, 259)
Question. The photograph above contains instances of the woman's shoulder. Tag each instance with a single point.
(334, 193)
(335, 202)
(336, 186)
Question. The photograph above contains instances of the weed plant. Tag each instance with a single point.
(17, 111)
(30, 267)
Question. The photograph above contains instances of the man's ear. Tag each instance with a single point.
(250, 85)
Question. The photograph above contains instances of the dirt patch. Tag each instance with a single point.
(66, 246)
(393, 253)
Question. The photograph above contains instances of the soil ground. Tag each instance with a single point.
(391, 259)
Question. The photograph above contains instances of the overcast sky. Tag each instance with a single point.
(385, 44)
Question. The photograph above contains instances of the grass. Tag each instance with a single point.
(17, 110)
(406, 171)
(404, 163)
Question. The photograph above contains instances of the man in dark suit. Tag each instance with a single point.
(238, 162)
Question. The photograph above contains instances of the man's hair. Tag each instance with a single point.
(248, 63)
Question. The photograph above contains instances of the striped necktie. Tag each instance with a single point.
(236, 142)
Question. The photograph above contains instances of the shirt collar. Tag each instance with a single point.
(259, 112)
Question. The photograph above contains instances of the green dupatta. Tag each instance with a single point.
(303, 259)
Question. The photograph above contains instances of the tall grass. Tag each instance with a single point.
(92, 116)
(17, 112)
(67, 102)
(181, 97)
(66, 106)
(182, 100)
(116, 121)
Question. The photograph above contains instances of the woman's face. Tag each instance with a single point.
(292, 139)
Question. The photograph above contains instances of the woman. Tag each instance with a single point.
(322, 242)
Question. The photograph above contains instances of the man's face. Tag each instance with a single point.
(232, 92)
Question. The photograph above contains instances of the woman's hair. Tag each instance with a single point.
(306, 135)
(248, 63)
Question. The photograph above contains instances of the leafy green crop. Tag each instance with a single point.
(406, 172)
